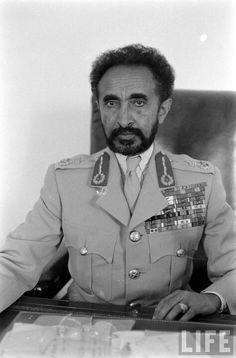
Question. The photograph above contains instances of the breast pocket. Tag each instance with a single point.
(172, 253)
(91, 253)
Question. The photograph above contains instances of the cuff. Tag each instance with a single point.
(223, 305)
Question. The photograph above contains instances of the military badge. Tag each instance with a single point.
(98, 178)
(204, 165)
(101, 170)
(164, 171)
(201, 164)
(65, 162)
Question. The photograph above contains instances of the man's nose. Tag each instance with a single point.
(124, 116)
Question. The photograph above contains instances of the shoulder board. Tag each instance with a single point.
(184, 162)
(79, 161)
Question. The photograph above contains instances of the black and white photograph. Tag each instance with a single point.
(118, 178)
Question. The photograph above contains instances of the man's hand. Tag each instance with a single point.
(169, 308)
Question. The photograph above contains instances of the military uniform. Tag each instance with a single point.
(115, 257)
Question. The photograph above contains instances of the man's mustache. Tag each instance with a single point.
(126, 130)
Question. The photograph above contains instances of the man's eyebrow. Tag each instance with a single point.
(139, 95)
(110, 97)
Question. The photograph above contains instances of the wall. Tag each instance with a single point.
(46, 50)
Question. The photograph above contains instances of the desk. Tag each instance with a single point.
(141, 317)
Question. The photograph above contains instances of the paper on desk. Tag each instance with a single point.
(69, 336)
(62, 336)
(25, 339)
(147, 344)
(144, 344)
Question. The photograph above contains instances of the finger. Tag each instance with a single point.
(188, 315)
(165, 306)
(171, 295)
(175, 312)
(160, 314)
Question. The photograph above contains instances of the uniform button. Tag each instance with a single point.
(134, 273)
(83, 251)
(180, 252)
(135, 236)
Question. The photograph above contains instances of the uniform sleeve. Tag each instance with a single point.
(31, 245)
(220, 244)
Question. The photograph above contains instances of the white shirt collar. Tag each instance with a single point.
(145, 156)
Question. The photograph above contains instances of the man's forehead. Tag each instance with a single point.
(128, 78)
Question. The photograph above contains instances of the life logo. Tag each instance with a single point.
(207, 342)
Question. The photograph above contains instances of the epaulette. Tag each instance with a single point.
(184, 162)
(79, 161)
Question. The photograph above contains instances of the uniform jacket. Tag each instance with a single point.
(106, 262)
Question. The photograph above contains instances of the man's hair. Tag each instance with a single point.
(137, 55)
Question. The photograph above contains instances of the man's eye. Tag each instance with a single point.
(139, 102)
(111, 104)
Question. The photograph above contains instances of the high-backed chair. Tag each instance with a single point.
(201, 124)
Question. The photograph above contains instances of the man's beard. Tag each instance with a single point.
(127, 146)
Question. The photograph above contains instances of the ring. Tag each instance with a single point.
(184, 307)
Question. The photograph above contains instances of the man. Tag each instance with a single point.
(132, 215)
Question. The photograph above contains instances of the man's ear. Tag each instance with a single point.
(164, 109)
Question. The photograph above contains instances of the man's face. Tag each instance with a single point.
(130, 108)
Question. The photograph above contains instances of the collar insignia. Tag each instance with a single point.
(101, 171)
(164, 171)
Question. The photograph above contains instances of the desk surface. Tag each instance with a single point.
(122, 331)
(143, 317)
